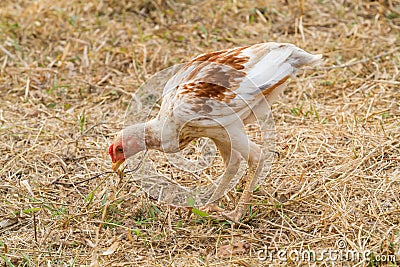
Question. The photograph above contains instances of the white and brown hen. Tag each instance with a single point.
(215, 95)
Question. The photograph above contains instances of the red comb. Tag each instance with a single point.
(111, 152)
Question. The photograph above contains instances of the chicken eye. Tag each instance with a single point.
(120, 149)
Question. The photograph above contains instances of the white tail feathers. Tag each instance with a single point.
(271, 63)
(300, 58)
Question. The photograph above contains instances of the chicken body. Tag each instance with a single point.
(215, 95)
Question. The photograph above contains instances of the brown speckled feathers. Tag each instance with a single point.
(217, 87)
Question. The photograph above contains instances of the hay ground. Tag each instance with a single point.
(67, 71)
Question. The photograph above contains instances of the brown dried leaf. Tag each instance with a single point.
(111, 249)
(237, 248)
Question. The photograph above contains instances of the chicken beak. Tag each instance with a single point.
(115, 165)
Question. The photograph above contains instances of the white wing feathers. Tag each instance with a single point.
(229, 83)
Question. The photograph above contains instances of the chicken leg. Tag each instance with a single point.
(232, 160)
(253, 154)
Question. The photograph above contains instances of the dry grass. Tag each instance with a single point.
(67, 69)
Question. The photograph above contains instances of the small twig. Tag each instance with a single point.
(387, 82)
(28, 82)
(102, 173)
(5, 51)
(34, 228)
(346, 65)
(5, 252)
(83, 181)
(139, 164)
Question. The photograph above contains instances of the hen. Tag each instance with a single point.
(215, 95)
